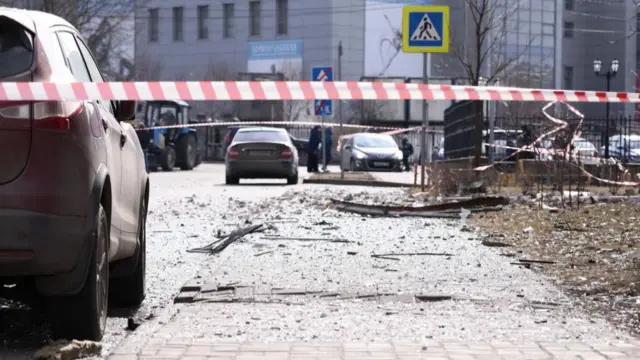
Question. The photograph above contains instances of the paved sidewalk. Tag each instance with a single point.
(397, 177)
(201, 349)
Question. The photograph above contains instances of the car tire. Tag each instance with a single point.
(130, 291)
(169, 159)
(231, 180)
(83, 316)
(189, 148)
(293, 179)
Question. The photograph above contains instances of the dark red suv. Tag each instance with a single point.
(73, 185)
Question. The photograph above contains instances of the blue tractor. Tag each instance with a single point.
(173, 146)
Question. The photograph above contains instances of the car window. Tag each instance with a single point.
(261, 135)
(16, 49)
(372, 141)
(94, 71)
(582, 144)
(633, 144)
(73, 56)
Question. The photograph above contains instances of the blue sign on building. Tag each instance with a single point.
(322, 107)
(275, 49)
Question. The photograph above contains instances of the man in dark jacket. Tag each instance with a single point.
(407, 151)
(315, 137)
(525, 139)
(328, 133)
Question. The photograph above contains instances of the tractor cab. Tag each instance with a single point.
(173, 143)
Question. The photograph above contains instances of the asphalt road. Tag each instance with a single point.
(186, 210)
(491, 299)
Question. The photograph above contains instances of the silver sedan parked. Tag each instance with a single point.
(370, 152)
(261, 153)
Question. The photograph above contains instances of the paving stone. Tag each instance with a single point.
(212, 349)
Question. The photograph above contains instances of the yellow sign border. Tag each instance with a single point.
(422, 9)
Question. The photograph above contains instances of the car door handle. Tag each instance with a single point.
(123, 139)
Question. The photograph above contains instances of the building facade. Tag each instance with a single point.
(553, 42)
(218, 39)
(192, 37)
(599, 30)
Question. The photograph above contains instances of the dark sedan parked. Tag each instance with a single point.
(369, 151)
(261, 153)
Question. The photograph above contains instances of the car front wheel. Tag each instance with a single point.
(84, 316)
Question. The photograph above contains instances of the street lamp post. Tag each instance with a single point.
(339, 103)
(613, 70)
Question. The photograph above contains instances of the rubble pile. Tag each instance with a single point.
(592, 252)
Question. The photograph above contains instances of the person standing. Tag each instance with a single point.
(525, 139)
(407, 151)
(315, 137)
(328, 133)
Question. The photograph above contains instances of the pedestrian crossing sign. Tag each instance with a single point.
(425, 29)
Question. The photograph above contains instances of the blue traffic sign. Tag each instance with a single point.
(322, 73)
(425, 29)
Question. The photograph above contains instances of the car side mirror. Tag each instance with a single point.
(125, 110)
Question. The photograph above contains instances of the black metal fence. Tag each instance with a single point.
(459, 136)
(459, 129)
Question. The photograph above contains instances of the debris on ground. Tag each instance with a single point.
(221, 244)
(592, 252)
(445, 210)
(392, 255)
(68, 350)
(276, 238)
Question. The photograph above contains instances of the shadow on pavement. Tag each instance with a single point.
(22, 331)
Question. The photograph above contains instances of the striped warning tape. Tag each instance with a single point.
(292, 90)
(390, 130)
(562, 125)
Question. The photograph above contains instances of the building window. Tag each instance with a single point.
(568, 29)
(282, 16)
(569, 5)
(227, 20)
(254, 18)
(153, 25)
(567, 80)
(203, 22)
(178, 23)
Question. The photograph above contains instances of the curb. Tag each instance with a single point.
(370, 183)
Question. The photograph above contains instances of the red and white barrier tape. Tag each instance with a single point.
(562, 124)
(391, 130)
(292, 90)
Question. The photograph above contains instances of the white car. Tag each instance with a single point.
(501, 138)
(583, 151)
(624, 147)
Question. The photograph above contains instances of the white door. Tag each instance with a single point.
(345, 154)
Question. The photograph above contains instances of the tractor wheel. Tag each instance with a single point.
(169, 159)
(189, 149)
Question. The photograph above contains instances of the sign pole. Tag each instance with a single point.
(339, 103)
(324, 143)
(323, 108)
(426, 31)
(425, 123)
